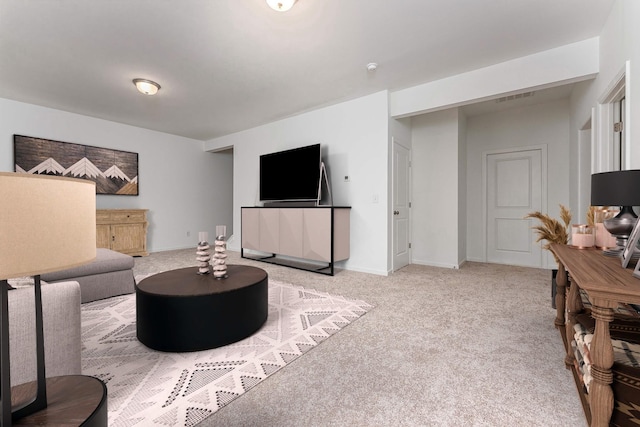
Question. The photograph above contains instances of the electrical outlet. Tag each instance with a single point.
(374, 198)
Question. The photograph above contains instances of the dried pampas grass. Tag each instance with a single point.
(552, 230)
(591, 216)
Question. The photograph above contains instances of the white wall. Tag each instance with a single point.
(435, 207)
(535, 125)
(565, 64)
(618, 46)
(580, 184)
(462, 187)
(184, 188)
(354, 138)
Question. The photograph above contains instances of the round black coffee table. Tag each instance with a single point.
(181, 310)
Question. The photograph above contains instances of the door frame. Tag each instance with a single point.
(394, 141)
(485, 206)
(603, 149)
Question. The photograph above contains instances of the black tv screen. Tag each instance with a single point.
(291, 174)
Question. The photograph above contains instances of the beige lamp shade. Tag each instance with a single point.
(47, 224)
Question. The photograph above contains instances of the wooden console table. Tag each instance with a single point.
(607, 284)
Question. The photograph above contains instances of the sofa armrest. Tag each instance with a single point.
(62, 334)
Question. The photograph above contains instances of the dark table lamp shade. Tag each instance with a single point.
(618, 188)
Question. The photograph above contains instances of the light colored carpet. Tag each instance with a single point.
(153, 388)
(468, 347)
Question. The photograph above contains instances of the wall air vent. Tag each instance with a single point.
(514, 97)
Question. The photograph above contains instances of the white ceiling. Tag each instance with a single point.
(229, 65)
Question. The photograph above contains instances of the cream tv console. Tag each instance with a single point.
(319, 234)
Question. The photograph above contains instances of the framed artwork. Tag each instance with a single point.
(113, 171)
(630, 249)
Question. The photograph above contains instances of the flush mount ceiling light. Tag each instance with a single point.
(281, 5)
(146, 86)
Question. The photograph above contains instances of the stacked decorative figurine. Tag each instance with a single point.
(203, 253)
(220, 253)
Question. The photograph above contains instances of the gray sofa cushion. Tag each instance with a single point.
(106, 261)
(105, 285)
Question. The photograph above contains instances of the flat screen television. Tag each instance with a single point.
(290, 175)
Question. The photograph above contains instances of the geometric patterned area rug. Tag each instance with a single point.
(151, 388)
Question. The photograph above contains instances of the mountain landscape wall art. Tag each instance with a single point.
(113, 171)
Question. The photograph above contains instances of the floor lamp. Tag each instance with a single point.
(46, 224)
(617, 188)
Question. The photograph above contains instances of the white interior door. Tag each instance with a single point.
(401, 205)
(514, 188)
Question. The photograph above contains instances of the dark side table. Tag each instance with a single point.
(72, 400)
(181, 310)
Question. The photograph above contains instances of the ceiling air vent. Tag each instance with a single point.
(514, 97)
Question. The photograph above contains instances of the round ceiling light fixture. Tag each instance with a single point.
(147, 87)
(281, 5)
(372, 66)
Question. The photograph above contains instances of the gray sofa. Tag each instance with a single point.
(109, 275)
(63, 291)
(61, 318)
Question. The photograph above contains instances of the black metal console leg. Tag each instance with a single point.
(5, 370)
(39, 402)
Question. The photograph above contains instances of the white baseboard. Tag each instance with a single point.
(367, 270)
(435, 264)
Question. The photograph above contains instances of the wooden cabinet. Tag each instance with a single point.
(122, 230)
(319, 234)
